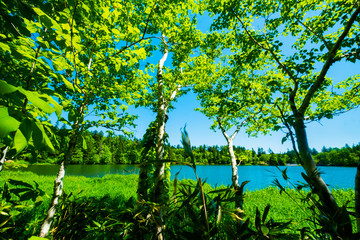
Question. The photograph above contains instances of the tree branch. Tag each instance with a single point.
(313, 32)
(72, 45)
(282, 66)
(138, 41)
(349, 54)
(291, 134)
(218, 119)
(330, 60)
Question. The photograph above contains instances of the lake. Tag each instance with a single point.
(216, 175)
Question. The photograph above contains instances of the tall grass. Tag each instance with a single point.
(119, 190)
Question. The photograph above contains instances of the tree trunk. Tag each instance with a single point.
(3, 158)
(160, 193)
(342, 218)
(235, 176)
(234, 165)
(58, 186)
(357, 197)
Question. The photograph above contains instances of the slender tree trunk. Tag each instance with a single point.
(234, 165)
(58, 184)
(160, 194)
(3, 158)
(357, 197)
(344, 227)
(235, 178)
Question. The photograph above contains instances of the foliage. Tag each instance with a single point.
(94, 218)
(323, 223)
(16, 200)
(112, 149)
(26, 99)
(117, 190)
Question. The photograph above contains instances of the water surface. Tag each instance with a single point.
(216, 175)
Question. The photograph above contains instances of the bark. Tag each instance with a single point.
(234, 164)
(159, 188)
(341, 217)
(3, 158)
(160, 195)
(357, 197)
(58, 186)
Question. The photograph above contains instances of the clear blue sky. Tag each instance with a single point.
(343, 129)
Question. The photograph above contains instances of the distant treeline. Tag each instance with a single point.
(96, 148)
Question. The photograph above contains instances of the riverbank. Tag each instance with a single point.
(120, 193)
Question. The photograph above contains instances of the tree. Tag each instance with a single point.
(321, 39)
(174, 25)
(26, 100)
(232, 93)
(91, 63)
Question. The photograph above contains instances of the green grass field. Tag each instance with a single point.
(120, 188)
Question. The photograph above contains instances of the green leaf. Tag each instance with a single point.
(265, 230)
(68, 84)
(5, 47)
(266, 212)
(72, 115)
(26, 128)
(84, 145)
(37, 238)
(20, 141)
(6, 88)
(20, 183)
(41, 140)
(46, 20)
(8, 123)
(35, 99)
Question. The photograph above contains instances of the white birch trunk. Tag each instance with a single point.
(58, 187)
(3, 158)
(160, 193)
(58, 184)
(234, 164)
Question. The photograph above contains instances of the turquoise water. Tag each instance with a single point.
(216, 175)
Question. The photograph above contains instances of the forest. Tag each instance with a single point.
(112, 149)
(257, 67)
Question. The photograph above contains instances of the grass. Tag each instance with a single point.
(120, 188)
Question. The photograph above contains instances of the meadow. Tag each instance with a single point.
(103, 208)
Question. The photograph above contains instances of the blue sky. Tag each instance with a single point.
(336, 132)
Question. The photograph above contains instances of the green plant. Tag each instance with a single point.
(325, 224)
(91, 218)
(15, 203)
